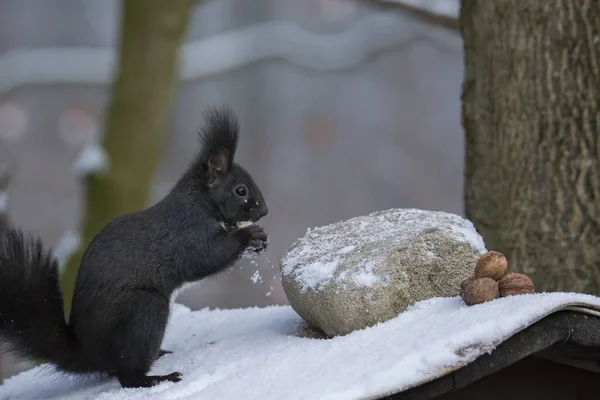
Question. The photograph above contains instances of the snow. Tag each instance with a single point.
(316, 274)
(91, 160)
(467, 233)
(367, 277)
(66, 247)
(346, 250)
(323, 255)
(257, 353)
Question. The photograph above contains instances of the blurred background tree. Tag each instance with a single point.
(5, 177)
(346, 107)
(152, 32)
(531, 100)
(6, 174)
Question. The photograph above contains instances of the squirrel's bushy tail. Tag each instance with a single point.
(32, 319)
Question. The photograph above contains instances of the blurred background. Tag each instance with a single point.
(346, 107)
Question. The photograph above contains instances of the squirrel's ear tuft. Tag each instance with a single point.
(218, 164)
(219, 138)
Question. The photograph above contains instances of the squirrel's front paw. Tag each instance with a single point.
(254, 237)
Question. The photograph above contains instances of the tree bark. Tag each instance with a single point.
(531, 100)
(152, 32)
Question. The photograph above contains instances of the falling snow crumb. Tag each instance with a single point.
(256, 277)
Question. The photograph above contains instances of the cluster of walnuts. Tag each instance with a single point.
(491, 281)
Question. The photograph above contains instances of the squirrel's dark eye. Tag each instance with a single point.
(241, 191)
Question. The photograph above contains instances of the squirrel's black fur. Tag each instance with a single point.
(131, 269)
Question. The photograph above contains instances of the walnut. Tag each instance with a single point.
(478, 290)
(491, 265)
(515, 284)
(243, 224)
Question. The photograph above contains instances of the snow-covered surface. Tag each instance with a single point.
(314, 259)
(256, 353)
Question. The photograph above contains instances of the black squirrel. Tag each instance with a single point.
(132, 267)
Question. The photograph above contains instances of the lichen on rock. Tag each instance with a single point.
(353, 274)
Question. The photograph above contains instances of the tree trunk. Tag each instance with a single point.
(531, 100)
(4, 181)
(152, 32)
(6, 174)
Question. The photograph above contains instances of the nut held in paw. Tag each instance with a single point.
(515, 284)
(491, 265)
(478, 290)
(243, 224)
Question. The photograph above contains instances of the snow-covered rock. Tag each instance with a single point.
(356, 273)
(259, 353)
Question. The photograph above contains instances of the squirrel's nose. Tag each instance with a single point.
(264, 211)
